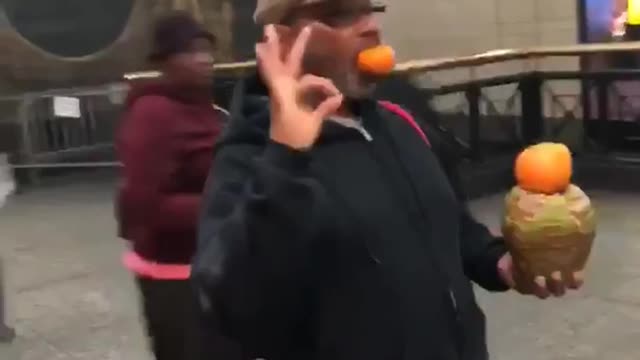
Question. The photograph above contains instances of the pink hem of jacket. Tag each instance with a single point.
(153, 270)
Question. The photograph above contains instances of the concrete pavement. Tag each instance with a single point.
(69, 299)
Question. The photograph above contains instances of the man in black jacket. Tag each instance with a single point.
(330, 229)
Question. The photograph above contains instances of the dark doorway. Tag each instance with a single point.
(69, 28)
(245, 32)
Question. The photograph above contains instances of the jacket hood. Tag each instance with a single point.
(250, 96)
(162, 87)
(249, 113)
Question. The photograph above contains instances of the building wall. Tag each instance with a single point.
(26, 68)
(434, 29)
(417, 29)
(461, 27)
(444, 28)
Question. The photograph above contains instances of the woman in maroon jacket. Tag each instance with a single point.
(165, 144)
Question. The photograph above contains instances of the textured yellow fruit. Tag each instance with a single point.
(548, 233)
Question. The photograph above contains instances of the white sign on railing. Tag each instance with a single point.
(65, 106)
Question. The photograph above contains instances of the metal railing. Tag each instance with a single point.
(476, 100)
(46, 139)
(516, 96)
(444, 63)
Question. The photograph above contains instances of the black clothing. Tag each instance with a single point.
(354, 250)
(173, 323)
(169, 312)
(402, 90)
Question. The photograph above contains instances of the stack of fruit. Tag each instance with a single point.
(549, 223)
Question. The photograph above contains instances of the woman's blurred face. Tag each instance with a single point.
(193, 67)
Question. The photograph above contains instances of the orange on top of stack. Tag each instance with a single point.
(379, 60)
(549, 224)
(544, 168)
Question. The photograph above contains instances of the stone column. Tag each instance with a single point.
(217, 15)
(6, 333)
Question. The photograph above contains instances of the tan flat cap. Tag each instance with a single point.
(274, 11)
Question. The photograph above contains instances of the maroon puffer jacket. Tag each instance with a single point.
(165, 144)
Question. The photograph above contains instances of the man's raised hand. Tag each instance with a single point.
(294, 122)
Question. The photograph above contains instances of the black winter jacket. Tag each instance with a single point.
(355, 250)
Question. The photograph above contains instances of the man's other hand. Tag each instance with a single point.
(544, 287)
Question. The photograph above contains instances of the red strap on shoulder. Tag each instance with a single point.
(398, 110)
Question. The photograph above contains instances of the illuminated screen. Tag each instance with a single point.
(614, 21)
(611, 21)
(605, 19)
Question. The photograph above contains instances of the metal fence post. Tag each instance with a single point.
(533, 127)
(26, 151)
(475, 140)
(603, 86)
(6, 333)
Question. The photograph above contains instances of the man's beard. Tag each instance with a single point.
(353, 85)
(349, 81)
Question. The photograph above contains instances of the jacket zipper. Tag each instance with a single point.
(447, 281)
(454, 302)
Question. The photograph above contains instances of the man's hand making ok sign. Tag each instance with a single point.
(295, 121)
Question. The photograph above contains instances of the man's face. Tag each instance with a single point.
(340, 30)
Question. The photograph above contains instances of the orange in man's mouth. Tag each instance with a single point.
(379, 60)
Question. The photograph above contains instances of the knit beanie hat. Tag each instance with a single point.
(173, 33)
